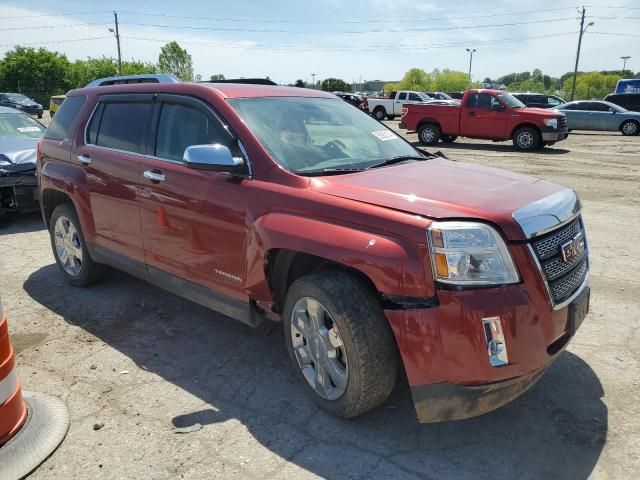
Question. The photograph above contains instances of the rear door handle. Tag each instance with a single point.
(84, 159)
(154, 176)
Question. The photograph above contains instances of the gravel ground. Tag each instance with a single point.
(145, 364)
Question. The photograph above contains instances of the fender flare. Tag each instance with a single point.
(392, 264)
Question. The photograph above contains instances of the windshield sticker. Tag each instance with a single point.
(28, 129)
(385, 135)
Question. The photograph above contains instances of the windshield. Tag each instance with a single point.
(509, 100)
(17, 97)
(313, 134)
(19, 125)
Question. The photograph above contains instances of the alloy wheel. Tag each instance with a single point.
(525, 140)
(318, 348)
(630, 128)
(68, 246)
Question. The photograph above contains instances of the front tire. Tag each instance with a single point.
(340, 342)
(429, 134)
(379, 113)
(70, 249)
(629, 128)
(449, 138)
(527, 139)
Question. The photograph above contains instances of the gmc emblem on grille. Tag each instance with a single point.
(573, 248)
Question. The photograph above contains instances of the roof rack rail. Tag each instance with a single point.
(250, 81)
(144, 78)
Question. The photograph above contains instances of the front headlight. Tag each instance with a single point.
(551, 122)
(470, 253)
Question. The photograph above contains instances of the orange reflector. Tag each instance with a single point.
(442, 267)
(436, 238)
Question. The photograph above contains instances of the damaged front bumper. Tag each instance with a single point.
(18, 192)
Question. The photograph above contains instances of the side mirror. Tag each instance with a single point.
(497, 107)
(216, 158)
(611, 110)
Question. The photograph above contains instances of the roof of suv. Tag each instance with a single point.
(224, 90)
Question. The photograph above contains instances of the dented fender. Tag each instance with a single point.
(393, 264)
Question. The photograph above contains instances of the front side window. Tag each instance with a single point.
(314, 134)
(509, 100)
(61, 122)
(122, 126)
(182, 126)
(414, 97)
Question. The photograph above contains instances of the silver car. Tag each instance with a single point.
(19, 135)
(600, 115)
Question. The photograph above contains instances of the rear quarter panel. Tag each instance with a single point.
(447, 116)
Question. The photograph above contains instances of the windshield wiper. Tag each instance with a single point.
(398, 159)
(328, 171)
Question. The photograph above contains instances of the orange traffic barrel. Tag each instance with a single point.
(32, 425)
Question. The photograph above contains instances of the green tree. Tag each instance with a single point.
(334, 85)
(415, 79)
(216, 76)
(175, 60)
(300, 83)
(591, 85)
(82, 72)
(449, 80)
(36, 73)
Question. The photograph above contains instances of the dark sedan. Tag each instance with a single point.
(21, 102)
(19, 135)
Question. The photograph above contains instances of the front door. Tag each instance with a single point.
(483, 117)
(193, 221)
(111, 155)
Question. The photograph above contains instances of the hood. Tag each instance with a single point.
(18, 154)
(543, 112)
(441, 188)
(27, 103)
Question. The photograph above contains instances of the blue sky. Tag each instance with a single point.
(376, 39)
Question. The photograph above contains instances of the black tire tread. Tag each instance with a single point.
(370, 333)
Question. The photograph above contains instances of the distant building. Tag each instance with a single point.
(372, 85)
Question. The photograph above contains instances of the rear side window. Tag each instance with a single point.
(402, 96)
(66, 114)
(121, 126)
(181, 126)
(599, 107)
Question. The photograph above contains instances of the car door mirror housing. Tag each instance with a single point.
(216, 158)
(497, 107)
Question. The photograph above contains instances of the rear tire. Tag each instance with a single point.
(630, 128)
(390, 117)
(448, 138)
(379, 113)
(527, 139)
(429, 134)
(39, 115)
(357, 335)
(70, 249)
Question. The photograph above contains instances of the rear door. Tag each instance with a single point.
(113, 147)
(601, 116)
(193, 221)
(480, 119)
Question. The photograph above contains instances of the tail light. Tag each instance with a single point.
(365, 103)
(403, 112)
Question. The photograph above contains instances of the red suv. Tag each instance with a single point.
(271, 203)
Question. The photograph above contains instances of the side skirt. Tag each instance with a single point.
(246, 313)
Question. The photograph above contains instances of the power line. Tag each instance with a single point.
(420, 20)
(68, 25)
(51, 41)
(57, 14)
(369, 48)
(301, 32)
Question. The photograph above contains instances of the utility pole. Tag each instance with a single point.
(575, 70)
(117, 34)
(471, 52)
(624, 63)
(313, 79)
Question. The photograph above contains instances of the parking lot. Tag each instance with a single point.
(159, 387)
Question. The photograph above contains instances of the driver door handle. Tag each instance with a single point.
(153, 176)
(84, 159)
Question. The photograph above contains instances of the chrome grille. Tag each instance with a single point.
(563, 122)
(563, 277)
(549, 245)
(568, 284)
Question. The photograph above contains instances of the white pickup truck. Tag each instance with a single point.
(391, 106)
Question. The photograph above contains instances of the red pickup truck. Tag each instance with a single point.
(277, 204)
(491, 114)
